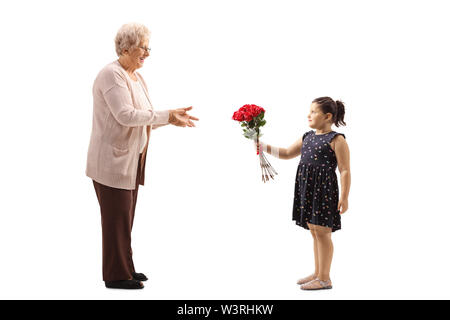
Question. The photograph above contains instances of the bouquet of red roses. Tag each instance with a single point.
(251, 118)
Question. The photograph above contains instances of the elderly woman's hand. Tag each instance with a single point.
(180, 117)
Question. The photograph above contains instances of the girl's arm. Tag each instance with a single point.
(282, 153)
(343, 159)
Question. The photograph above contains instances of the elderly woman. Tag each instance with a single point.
(123, 119)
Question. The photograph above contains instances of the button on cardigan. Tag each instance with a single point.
(117, 128)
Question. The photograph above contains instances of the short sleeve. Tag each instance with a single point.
(305, 134)
(335, 134)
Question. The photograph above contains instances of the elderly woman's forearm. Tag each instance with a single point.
(137, 118)
(156, 126)
(119, 102)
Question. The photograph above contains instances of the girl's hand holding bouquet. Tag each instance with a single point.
(251, 118)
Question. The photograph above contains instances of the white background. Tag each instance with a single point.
(206, 226)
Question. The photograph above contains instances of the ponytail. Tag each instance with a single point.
(340, 113)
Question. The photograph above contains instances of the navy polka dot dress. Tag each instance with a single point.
(316, 187)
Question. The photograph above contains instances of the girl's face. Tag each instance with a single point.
(316, 118)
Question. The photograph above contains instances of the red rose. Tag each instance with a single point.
(238, 116)
(248, 116)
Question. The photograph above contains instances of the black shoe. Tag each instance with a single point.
(124, 284)
(139, 276)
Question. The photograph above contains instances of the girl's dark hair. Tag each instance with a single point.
(336, 108)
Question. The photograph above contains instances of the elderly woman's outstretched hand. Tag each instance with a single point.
(180, 117)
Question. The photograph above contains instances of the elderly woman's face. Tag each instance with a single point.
(137, 55)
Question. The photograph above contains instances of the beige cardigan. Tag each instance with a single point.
(113, 152)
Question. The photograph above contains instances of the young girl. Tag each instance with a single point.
(317, 206)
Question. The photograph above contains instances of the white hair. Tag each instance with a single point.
(129, 36)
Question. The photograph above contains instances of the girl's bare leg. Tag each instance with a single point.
(316, 258)
(325, 246)
(325, 255)
(316, 249)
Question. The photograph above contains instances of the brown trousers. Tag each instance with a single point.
(117, 207)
